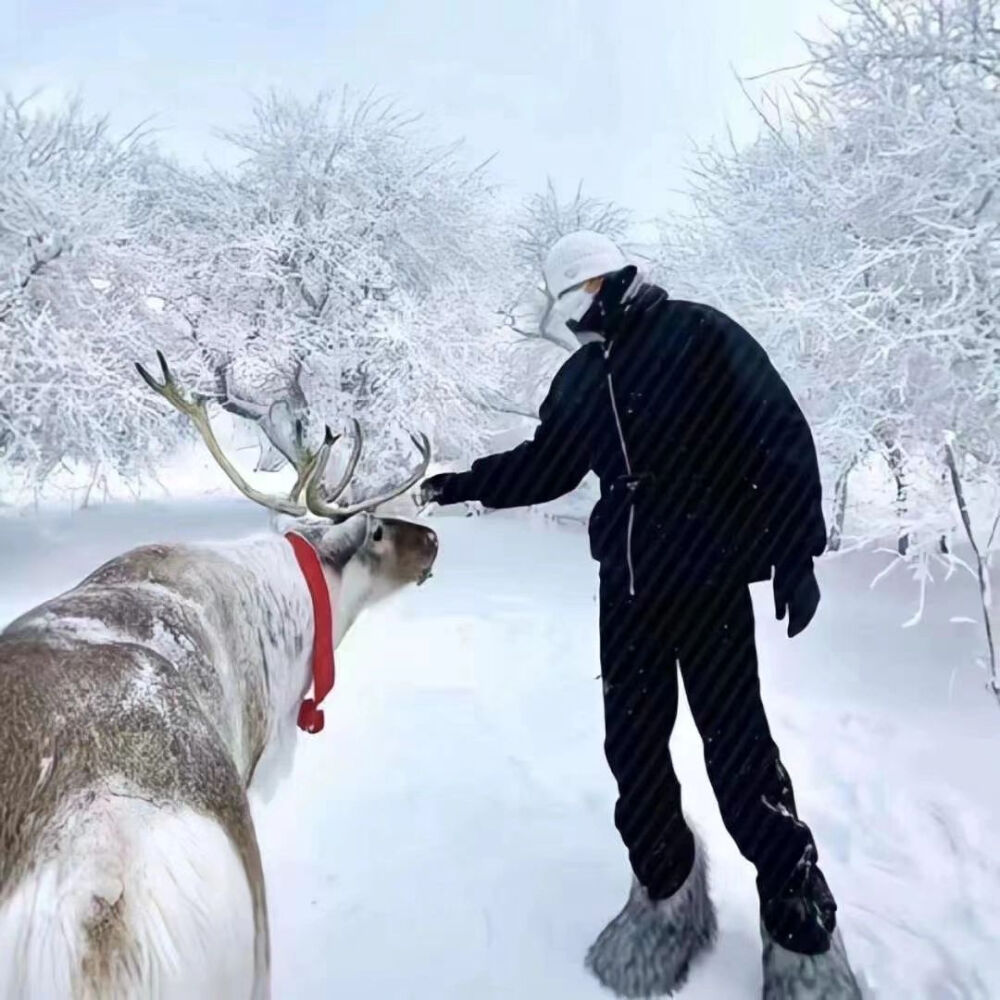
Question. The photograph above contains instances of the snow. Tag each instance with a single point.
(450, 834)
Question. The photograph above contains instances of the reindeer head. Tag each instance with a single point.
(372, 556)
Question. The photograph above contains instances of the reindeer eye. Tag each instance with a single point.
(377, 533)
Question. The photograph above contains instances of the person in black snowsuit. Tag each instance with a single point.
(708, 483)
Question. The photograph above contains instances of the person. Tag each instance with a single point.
(708, 483)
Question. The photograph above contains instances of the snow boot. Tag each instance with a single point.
(790, 975)
(804, 954)
(647, 950)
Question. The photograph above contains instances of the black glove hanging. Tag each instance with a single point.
(797, 593)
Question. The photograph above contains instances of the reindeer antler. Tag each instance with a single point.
(324, 507)
(195, 409)
(310, 468)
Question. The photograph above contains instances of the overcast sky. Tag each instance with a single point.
(608, 92)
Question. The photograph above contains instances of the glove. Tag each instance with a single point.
(434, 489)
(797, 592)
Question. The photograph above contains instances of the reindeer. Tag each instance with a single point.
(139, 708)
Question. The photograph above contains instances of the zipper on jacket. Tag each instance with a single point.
(628, 470)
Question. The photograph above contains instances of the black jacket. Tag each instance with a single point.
(707, 465)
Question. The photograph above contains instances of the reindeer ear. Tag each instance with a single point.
(283, 523)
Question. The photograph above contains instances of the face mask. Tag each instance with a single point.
(570, 306)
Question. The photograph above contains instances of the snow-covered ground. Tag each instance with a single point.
(449, 834)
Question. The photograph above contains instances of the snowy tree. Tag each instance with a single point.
(76, 278)
(919, 85)
(348, 249)
(543, 218)
(860, 238)
(530, 357)
(861, 232)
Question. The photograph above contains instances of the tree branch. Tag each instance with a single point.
(498, 404)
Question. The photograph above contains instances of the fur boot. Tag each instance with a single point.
(647, 950)
(791, 976)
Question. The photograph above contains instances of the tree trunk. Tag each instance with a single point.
(982, 570)
(897, 466)
(91, 485)
(839, 508)
(943, 547)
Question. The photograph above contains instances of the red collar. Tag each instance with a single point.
(310, 714)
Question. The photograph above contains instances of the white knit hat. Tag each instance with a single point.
(578, 257)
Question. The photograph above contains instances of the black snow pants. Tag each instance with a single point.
(709, 631)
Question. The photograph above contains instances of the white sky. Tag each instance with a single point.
(604, 92)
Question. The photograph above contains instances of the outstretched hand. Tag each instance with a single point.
(796, 593)
(432, 489)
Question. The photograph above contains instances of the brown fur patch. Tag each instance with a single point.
(107, 943)
(404, 554)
